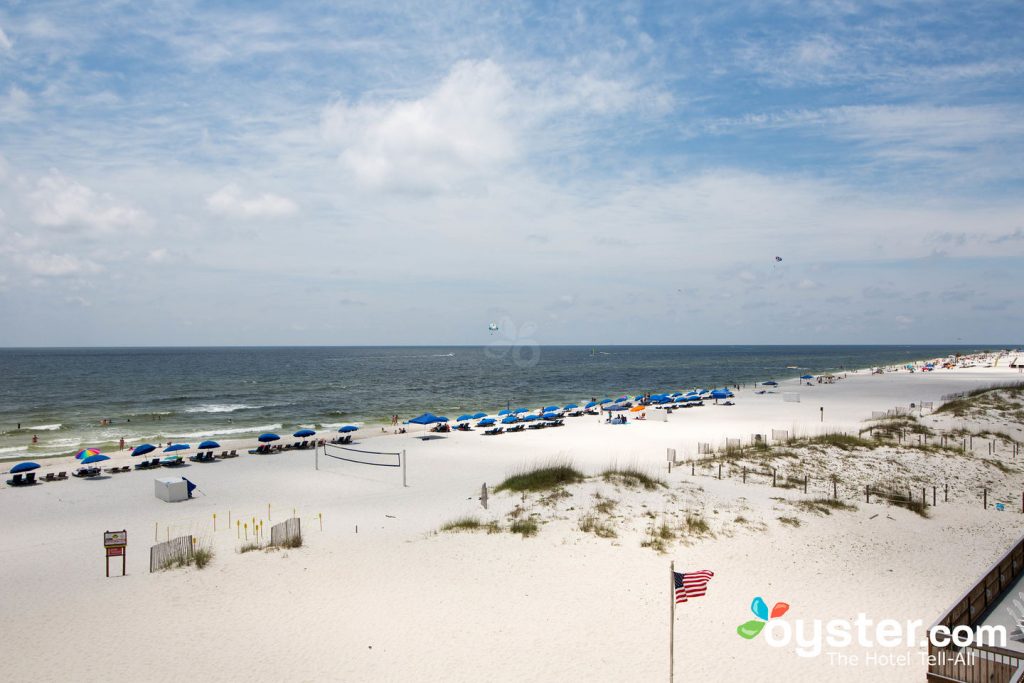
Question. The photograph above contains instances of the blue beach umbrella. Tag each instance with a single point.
(24, 467)
(806, 376)
(550, 416)
(94, 458)
(510, 420)
(520, 411)
(463, 418)
(267, 438)
(530, 418)
(301, 434)
(477, 416)
(620, 399)
(426, 419)
(177, 447)
(348, 428)
(570, 406)
(504, 412)
(605, 400)
(143, 449)
(208, 444)
(549, 409)
(486, 422)
(617, 406)
(591, 404)
(770, 383)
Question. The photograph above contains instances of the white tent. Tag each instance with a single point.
(171, 489)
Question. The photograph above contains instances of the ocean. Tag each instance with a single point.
(61, 396)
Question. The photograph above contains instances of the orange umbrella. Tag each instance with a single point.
(636, 409)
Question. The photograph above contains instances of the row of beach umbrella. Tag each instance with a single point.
(91, 456)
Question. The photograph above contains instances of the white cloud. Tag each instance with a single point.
(58, 265)
(230, 201)
(460, 130)
(5, 42)
(807, 284)
(58, 201)
(157, 255)
(14, 106)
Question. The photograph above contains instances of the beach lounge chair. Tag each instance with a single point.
(1018, 623)
(86, 472)
(62, 475)
(18, 480)
(493, 432)
(49, 477)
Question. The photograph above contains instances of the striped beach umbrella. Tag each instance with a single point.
(86, 453)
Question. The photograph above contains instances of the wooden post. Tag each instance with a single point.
(867, 493)
(945, 495)
(672, 622)
(924, 497)
(774, 473)
(805, 483)
(933, 496)
(835, 488)
(984, 493)
(693, 469)
(268, 510)
(744, 474)
(404, 460)
(214, 521)
(321, 516)
(719, 470)
(483, 495)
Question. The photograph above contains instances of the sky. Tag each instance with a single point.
(203, 173)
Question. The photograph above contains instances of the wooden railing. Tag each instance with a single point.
(979, 663)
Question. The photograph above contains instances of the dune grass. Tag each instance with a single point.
(790, 521)
(696, 525)
(542, 478)
(591, 523)
(202, 557)
(824, 506)
(525, 527)
(632, 477)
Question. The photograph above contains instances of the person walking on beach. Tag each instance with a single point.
(120, 445)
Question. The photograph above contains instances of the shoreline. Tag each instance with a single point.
(235, 442)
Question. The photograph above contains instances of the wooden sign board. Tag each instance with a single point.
(115, 543)
(114, 539)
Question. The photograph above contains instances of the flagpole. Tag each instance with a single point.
(672, 623)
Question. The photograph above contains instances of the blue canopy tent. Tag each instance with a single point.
(144, 449)
(721, 393)
(190, 486)
(427, 419)
(24, 467)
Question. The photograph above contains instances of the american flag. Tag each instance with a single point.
(691, 584)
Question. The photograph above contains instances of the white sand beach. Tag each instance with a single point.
(380, 594)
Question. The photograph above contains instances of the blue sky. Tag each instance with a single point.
(281, 173)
